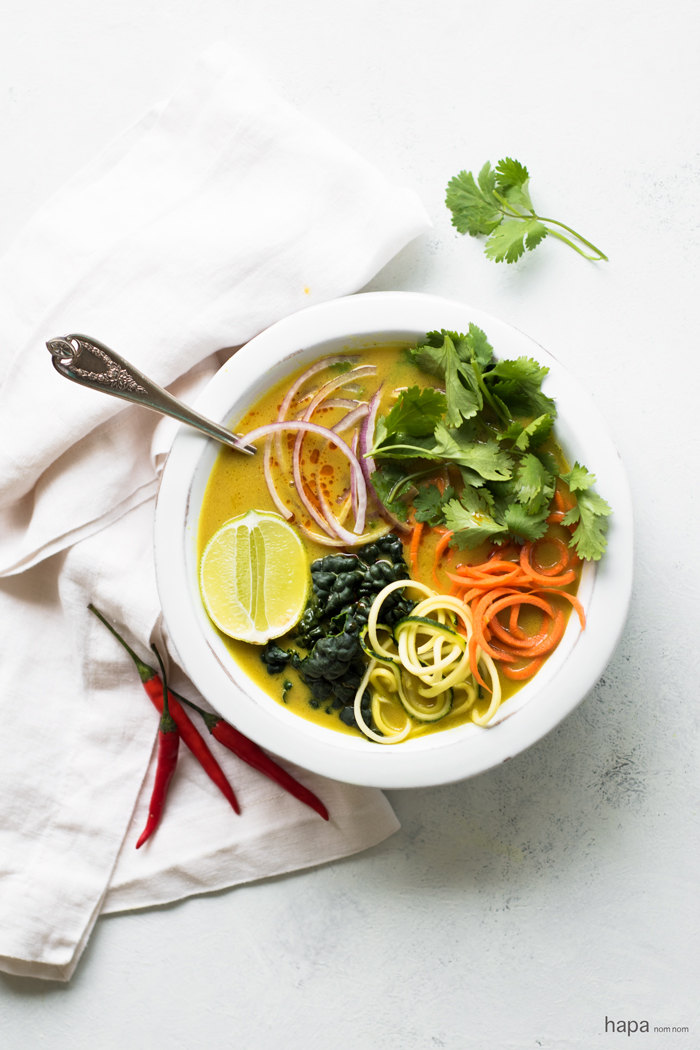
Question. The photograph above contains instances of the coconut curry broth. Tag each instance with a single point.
(237, 484)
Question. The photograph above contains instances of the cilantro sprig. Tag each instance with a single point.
(497, 203)
(489, 427)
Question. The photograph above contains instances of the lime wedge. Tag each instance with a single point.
(255, 577)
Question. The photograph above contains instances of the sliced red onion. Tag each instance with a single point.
(325, 541)
(345, 510)
(298, 481)
(367, 439)
(369, 466)
(303, 425)
(353, 485)
(340, 402)
(327, 388)
(352, 417)
(267, 470)
(338, 381)
(332, 521)
(349, 539)
(325, 362)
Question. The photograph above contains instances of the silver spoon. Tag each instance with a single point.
(91, 363)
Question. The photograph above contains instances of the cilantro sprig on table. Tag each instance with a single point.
(487, 428)
(497, 203)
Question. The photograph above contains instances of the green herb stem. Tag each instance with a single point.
(409, 477)
(598, 257)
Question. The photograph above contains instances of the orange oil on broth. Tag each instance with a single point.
(237, 484)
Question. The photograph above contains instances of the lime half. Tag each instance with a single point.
(255, 577)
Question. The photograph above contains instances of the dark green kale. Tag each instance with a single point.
(274, 658)
(344, 587)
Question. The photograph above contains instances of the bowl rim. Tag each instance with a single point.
(437, 758)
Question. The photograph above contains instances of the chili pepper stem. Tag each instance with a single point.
(146, 672)
(187, 729)
(210, 719)
(167, 722)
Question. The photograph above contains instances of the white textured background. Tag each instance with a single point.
(519, 909)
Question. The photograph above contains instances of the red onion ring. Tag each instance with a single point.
(267, 471)
(352, 417)
(353, 486)
(325, 362)
(321, 395)
(369, 466)
(303, 425)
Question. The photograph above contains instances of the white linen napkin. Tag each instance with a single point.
(216, 215)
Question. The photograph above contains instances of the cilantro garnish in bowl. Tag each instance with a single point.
(488, 428)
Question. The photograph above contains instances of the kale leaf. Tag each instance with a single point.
(344, 587)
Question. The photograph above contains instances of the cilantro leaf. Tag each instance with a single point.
(439, 356)
(512, 180)
(487, 182)
(511, 172)
(534, 487)
(429, 503)
(471, 478)
(502, 494)
(473, 210)
(416, 412)
(430, 355)
(518, 383)
(591, 513)
(498, 205)
(463, 402)
(521, 369)
(402, 446)
(549, 463)
(473, 499)
(578, 479)
(540, 429)
(479, 346)
(509, 240)
(471, 528)
(534, 433)
(524, 526)
(385, 479)
(484, 457)
(506, 491)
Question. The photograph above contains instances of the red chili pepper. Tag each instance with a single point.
(188, 731)
(249, 752)
(168, 744)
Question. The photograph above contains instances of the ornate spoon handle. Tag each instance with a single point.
(86, 361)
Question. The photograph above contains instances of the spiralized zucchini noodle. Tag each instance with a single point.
(422, 667)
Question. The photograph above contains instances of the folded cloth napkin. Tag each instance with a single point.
(216, 215)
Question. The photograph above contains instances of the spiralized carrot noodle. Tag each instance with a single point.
(442, 545)
(513, 626)
(435, 658)
(519, 674)
(569, 597)
(415, 540)
(511, 578)
(561, 564)
(526, 566)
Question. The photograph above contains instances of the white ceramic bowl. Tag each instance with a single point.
(437, 758)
